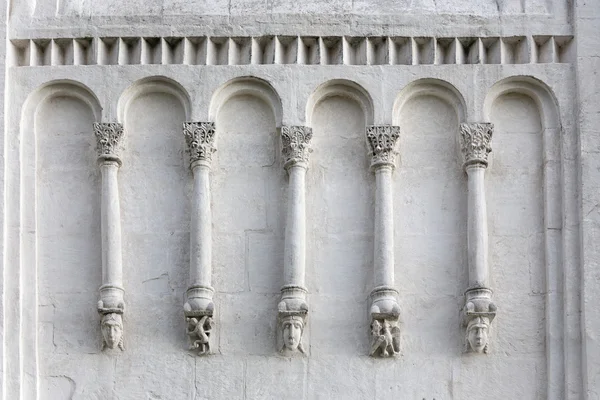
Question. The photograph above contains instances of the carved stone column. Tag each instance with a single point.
(292, 309)
(111, 304)
(199, 307)
(385, 311)
(479, 310)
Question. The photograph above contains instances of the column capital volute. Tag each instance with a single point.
(475, 143)
(200, 140)
(109, 137)
(383, 141)
(295, 140)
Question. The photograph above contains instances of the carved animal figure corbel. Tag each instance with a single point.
(385, 338)
(198, 330)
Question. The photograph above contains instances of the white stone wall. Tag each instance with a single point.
(529, 90)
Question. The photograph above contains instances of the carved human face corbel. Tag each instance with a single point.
(112, 331)
(292, 330)
(477, 335)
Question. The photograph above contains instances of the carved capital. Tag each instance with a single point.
(200, 139)
(108, 140)
(475, 142)
(382, 140)
(296, 144)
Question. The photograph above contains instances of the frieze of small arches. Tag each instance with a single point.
(301, 50)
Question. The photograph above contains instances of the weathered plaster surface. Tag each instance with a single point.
(541, 191)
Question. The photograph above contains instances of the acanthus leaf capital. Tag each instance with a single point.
(383, 140)
(200, 139)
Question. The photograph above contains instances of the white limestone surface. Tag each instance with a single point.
(541, 257)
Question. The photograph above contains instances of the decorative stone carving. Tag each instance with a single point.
(199, 328)
(382, 140)
(296, 144)
(475, 142)
(199, 307)
(478, 313)
(111, 304)
(385, 338)
(292, 330)
(108, 139)
(384, 310)
(200, 139)
(112, 330)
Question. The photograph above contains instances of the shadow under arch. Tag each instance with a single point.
(430, 87)
(152, 84)
(25, 245)
(343, 88)
(529, 86)
(246, 85)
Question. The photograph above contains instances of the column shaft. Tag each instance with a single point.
(295, 231)
(112, 264)
(201, 228)
(384, 228)
(477, 232)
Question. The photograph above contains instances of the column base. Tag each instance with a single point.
(292, 313)
(385, 317)
(198, 311)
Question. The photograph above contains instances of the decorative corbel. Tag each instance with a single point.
(384, 311)
(199, 307)
(479, 310)
(292, 309)
(111, 305)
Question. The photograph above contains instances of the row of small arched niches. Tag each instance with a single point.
(534, 88)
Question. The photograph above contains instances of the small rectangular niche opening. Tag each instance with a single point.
(263, 50)
(354, 50)
(545, 49)
(286, 49)
(377, 50)
(400, 50)
(217, 51)
(492, 49)
(130, 51)
(331, 50)
(239, 51)
(39, 53)
(20, 53)
(83, 51)
(172, 50)
(194, 50)
(515, 50)
(445, 51)
(423, 51)
(151, 52)
(107, 51)
(565, 49)
(61, 52)
(473, 50)
(309, 50)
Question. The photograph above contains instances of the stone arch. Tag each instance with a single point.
(534, 93)
(153, 84)
(29, 252)
(430, 87)
(247, 85)
(343, 88)
(537, 90)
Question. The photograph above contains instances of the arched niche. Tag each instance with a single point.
(155, 189)
(60, 231)
(430, 213)
(340, 195)
(524, 197)
(249, 86)
(149, 85)
(341, 88)
(248, 219)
